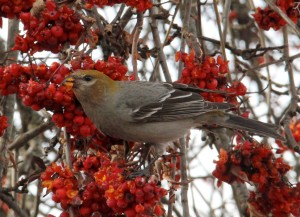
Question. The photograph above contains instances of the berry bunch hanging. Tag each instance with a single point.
(209, 74)
(138, 197)
(256, 164)
(140, 5)
(39, 87)
(11, 9)
(267, 18)
(50, 29)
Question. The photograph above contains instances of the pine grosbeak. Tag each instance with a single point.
(152, 112)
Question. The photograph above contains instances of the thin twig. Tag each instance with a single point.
(120, 11)
(171, 192)
(135, 40)
(184, 178)
(294, 97)
(68, 155)
(185, 29)
(199, 24)
(226, 18)
(222, 42)
(283, 59)
(125, 18)
(153, 75)
(158, 45)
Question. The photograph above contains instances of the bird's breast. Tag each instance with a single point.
(154, 132)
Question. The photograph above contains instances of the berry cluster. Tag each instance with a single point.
(138, 197)
(113, 67)
(103, 190)
(280, 200)
(40, 94)
(92, 194)
(89, 164)
(10, 9)
(69, 191)
(3, 124)
(141, 5)
(75, 121)
(39, 87)
(209, 74)
(255, 163)
(50, 30)
(267, 18)
(62, 182)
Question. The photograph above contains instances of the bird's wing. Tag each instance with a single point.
(175, 104)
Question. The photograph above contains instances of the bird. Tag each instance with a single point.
(153, 112)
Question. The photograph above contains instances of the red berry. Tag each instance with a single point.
(57, 78)
(185, 72)
(58, 119)
(202, 84)
(85, 130)
(140, 181)
(57, 31)
(214, 70)
(50, 91)
(64, 214)
(220, 60)
(95, 207)
(78, 120)
(87, 163)
(25, 17)
(212, 84)
(130, 212)
(85, 211)
(158, 210)
(121, 203)
(58, 183)
(139, 208)
(240, 88)
(58, 96)
(87, 195)
(61, 193)
(111, 202)
(223, 68)
(139, 192)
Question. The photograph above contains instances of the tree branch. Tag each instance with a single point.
(12, 204)
(25, 137)
(138, 28)
(158, 45)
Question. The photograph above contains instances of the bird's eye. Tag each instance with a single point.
(87, 78)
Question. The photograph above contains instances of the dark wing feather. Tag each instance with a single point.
(195, 89)
(176, 104)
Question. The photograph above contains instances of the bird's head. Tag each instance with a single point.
(88, 84)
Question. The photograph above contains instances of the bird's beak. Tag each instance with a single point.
(68, 82)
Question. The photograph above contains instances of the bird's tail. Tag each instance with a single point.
(253, 126)
(232, 121)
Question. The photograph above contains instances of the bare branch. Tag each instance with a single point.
(25, 137)
(12, 204)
